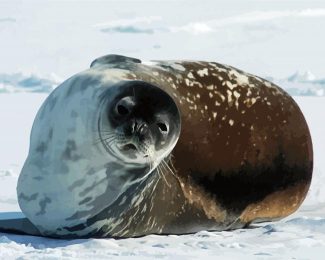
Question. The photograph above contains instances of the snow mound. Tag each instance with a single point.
(301, 84)
(6, 173)
(133, 25)
(305, 76)
(20, 82)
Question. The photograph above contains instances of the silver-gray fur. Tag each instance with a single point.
(76, 166)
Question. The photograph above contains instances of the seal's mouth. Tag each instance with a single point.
(129, 147)
(133, 150)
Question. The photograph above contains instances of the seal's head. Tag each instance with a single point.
(140, 124)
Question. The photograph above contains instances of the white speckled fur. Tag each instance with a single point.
(54, 175)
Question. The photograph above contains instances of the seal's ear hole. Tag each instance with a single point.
(163, 127)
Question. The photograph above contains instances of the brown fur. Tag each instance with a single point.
(244, 143)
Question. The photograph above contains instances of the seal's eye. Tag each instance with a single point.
(124, 106)
(122, 110)
(163, 127)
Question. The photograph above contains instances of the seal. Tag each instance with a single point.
(129, 148)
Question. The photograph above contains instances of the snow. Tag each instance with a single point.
(22, 82)
(43, 43)
(306, 76)
(301, 83)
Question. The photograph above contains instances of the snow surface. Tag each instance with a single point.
(44, 42)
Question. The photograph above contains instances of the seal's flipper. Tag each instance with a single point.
(113, 59)
(18, 226)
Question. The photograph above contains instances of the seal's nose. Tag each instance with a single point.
(137, 131)
(134, 126)
(142, 129)
(137, 128)
(142, 132)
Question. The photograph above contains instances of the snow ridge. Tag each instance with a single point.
(20, 82)
(301, 83)
(298, 84)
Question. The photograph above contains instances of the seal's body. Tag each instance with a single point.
(222, 150)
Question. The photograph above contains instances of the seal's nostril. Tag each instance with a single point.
(142, 128)
(162, 127)
(134, 126)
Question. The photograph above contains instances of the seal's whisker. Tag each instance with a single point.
(108, 134)
(150, 164)
(104, 131)
(171, 171)
(170, 161)
(158, 170)
(162, 174)
(103, 140)
(108, 138)
(111, 141)
(104, 135)
(106, 141)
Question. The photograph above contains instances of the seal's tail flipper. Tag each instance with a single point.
(18, 226)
